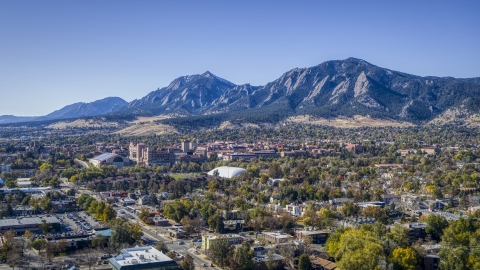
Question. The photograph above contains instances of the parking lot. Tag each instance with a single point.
(79, 222)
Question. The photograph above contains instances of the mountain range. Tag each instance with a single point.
(334, 88)
(76, 110)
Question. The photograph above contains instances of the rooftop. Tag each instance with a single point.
(417, 225)
(27, 221)
(105, 156)
(227, 172)
(215, 236)
(277, 235)
(140, 257)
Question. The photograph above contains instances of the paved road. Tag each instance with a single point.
(159, 234)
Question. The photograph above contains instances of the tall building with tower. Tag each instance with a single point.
(185, 146)
(146, 155)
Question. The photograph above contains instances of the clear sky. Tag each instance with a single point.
(54, 53)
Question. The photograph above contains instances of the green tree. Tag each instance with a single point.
(242, 258)
(25, 200)
(435, 225)
(176, 210)
(271, 263)
(453, 258)
(187, 263)
(124, 233)
(46, 204)
(220, 225)
(304, 262)
(8, 211)
(171, 255)
(460, 232)
(109, 213)
(162, 246)
(99, 241)
(275, 171)
(38, 244)
(399, 234)
(218, 250)
(45, 167)
(45, 227)
(358, 250)
(350, 208)
(7, 248)
(253, 171)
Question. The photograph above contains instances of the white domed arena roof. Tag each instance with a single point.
(227, 172)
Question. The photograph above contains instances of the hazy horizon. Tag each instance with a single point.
(56, 53)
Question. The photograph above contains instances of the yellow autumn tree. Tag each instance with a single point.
(406, 258)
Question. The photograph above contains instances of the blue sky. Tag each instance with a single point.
(54, 53)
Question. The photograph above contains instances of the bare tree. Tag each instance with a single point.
(288, 252)
(87, 256)
(255, 224)
(193, 225)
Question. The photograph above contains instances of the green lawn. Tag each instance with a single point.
(182, 175)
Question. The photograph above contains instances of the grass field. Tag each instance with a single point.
(182, 175)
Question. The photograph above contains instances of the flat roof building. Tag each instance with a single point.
(233, 239)
(142, 258)
(318, 237)
(276, 237)
(20, 225)
(24, 182)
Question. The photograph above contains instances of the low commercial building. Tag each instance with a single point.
(191, 158)
(260, 262)
(239, 157)
(177, 233)
(160, 221)
(321, 264)
(276, 237)
(24, 182)
(372, 204)
(318, 237)
(430, 150)
(142, 258)
(24, 190)
(266, 154)
(233, 239)
(340, 201)
(20, 225)
(391, 198)
(233, 225)
(127, 201)
(65, 206)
